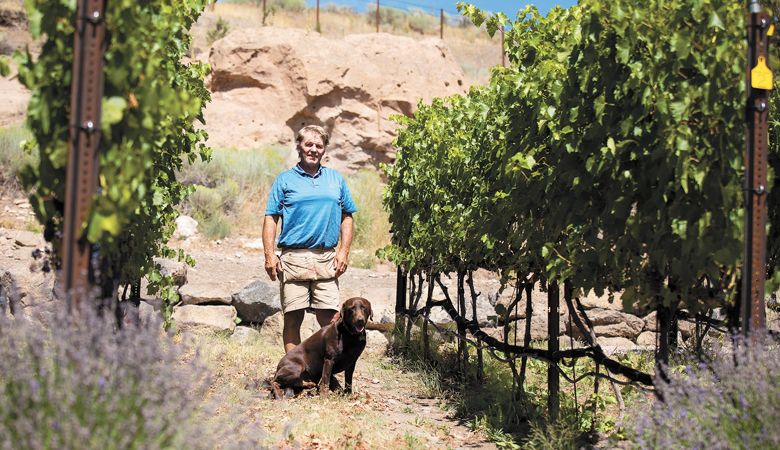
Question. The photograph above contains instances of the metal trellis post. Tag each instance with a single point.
(759, 83)
(82, 168)
(553, 331)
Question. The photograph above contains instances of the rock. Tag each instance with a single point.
(376, 342)
(205, 318)
(201, 292)
(256, 301)
(271, 330)
(29, 241)
(186, 227)
(604, 301)
(611, 323)
(651, 324)
(686, 328)
(268, 82)
(245, 335)
(647, 339)
(616, 345)
(539, 329)
(23, 287)
(175, 269)
(146, 313)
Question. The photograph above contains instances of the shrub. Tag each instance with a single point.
(372, 227)
(12, 157)
(394, 17)
(80, 383)
(289, 5)
(421, 22)
(728, 403)
(232, 188)
(216, 226)
(219, 31)
(339, 9)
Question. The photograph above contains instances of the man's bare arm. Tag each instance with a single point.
(342, 257)
(269, 239)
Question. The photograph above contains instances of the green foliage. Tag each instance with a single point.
(609, 153)
(5, 68)
(151, 103)
(219, 31)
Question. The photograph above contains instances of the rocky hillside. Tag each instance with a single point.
(268, 82)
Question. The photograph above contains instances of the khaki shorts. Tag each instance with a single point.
(308, 279)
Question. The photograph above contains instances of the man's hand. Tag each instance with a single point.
(341, 261)
(271, 265)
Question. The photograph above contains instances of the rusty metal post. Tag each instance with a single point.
(81, 178)
(553, 331)
(377, 16)
(318, 16)
(441, 23)
(759, 82)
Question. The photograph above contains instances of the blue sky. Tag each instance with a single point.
(510, 8)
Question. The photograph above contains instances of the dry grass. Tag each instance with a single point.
(369, 418)
(474, 50)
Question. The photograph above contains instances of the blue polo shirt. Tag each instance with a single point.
(310, 206)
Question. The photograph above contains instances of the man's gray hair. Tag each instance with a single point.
(313, 129)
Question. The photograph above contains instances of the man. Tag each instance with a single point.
(316, 208)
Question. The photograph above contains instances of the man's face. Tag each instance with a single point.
(311, 149)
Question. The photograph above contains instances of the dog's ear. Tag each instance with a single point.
(370, 311)
(339, 317)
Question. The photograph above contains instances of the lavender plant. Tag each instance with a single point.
(81, 383)
(730, 403)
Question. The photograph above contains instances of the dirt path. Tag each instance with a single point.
(390, 408)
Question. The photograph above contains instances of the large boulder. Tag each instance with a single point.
(175, 269)
(616, 345)
(605, 301)
(212, 318)
(268, 82)
(271, 330)
(205, 292)
(611, 323)
(647, 339)
(376, 342)
(257, 301)
(186, 227)
(245, 335)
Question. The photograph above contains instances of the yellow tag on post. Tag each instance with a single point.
(761, 75)
(771, 30)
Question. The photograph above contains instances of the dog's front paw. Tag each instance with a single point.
(324, 390)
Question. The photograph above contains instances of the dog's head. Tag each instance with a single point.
(355, 313)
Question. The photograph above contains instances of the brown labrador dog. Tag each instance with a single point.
(333, 349)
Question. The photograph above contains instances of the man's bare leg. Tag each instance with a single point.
(324, 316)
(291, 334)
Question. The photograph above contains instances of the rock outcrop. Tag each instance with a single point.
(268, 82)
